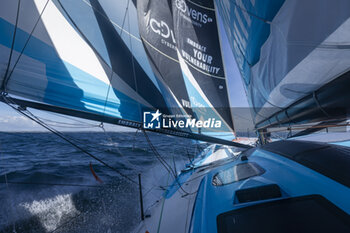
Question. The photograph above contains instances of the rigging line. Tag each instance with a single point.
(71, 118)
(12, 45)
(132, 60)
(82, 125)
(48, 141)
(109, 87)
(154, 187)
(72, 127)
(77, 141)
(114, 23)
(91, 46)
(188, 155)
(158, 156)
(314, 96)
(68, 124)
(165, 164)
(25, 45)
(73, 139)
(83, 35)
(115, 147)
(65, 223)
(133, 144)
(70, 142)
(70, 138)
(126, 12)
(174, 164)
(110, 82)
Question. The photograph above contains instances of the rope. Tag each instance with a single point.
(3, 87)
(132, 60)
(71, 118)
(38, 121)
(25, 45)
(134, 140)
(126, 13)
(165, 164)
(158, 156)
(64, 224)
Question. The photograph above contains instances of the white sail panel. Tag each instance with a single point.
(286, 49)
(52, 63)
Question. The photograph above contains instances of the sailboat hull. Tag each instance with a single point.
(307, 181)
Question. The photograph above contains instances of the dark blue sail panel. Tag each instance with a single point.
(185, 54)
(58, 60)
(199, 52)
(286, 49)
(123, 62)
(86, 58)
(157, 33)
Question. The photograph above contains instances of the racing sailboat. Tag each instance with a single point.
(157, 65)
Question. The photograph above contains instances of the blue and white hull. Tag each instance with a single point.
(285, 186)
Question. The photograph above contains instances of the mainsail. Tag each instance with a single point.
(293, 71)
(87, 59)
(52, 63)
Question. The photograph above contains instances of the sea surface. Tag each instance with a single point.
(46, 184)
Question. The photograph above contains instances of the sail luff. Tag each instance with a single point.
(224, 64)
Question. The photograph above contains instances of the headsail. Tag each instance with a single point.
(157, 34)
(182, 42)
(286, 51)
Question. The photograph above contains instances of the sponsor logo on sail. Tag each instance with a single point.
(192, 13)
(161, 28)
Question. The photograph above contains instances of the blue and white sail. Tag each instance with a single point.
(287, 50)
(53, 63)
(87, 59)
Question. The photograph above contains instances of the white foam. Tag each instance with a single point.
(52, 210)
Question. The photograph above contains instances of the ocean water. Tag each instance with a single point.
(46, 185)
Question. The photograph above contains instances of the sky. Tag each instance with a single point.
(11, 120)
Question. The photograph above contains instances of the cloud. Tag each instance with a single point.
(18, 123)
(12, 121)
